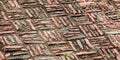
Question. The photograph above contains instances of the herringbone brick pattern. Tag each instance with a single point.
(59, 29)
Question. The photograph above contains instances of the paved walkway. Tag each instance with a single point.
(59, 29)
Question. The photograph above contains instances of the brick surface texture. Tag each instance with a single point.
(59, 29)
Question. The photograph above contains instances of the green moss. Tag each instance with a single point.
(107, 56)
(24, 27)
(106, 1)
(111, 7)
(67, 54)
(95, 49)
(118, 13)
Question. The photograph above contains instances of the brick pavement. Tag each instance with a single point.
(59, 29)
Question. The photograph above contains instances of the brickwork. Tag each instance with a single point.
(59, 29)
